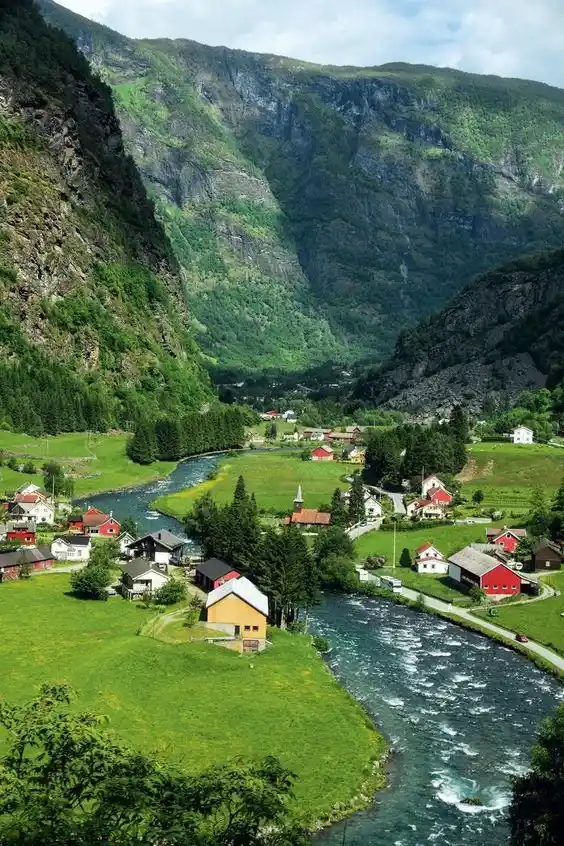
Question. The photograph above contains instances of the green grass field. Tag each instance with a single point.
(438, 586)
(97, 462)
(194, 704)
(272, 477)
(541, 620)
(508, 474)
(447, 539)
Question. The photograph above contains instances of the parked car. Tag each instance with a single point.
(521, 638)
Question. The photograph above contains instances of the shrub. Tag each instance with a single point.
(321, 644)
(91, 582)
(170, 593)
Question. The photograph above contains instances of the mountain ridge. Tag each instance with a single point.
(316, 212)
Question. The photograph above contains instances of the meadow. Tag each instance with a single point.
(193, 704)
(273, 477)
(509, 473)
(447, 539)
(97, 463)
(541, 621)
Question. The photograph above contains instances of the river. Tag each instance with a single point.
(460, 711)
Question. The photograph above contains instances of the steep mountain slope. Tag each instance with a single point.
(92, 314)
(318, 211)
(501, 335)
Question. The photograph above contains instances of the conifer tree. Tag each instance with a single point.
(356, 500)
(142, 447)
(405, 558)
(339, 514)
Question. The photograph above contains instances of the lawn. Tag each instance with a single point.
(97, 462)
(508, 474)
(272, 477)
(438, 586)
(194, 704)
(447, 539)
(541, 620)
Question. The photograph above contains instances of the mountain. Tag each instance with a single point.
(499, 336)
(92, 310)
(317, 211)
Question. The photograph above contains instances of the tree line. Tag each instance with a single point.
(280, 563)
(409, 451)
(173, 438)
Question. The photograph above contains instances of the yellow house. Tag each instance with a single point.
(240, 609)
(357, 456)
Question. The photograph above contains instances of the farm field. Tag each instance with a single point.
(541, 621)
(206, 703)
(97, 462)
(447, 539)
(272, 477)
(508, 474)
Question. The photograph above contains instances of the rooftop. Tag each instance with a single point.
(137, 566)
(214, 568)
(309, 517)
(162, 536)
(473, 561)
(74, 540)
(245, 590)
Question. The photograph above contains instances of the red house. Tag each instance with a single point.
(472, 568)
(439, 496)
(212, 573)
(76, 525)
(508, 539)
(39, 557)
(322, 453)
(95, 522)
(25, 534)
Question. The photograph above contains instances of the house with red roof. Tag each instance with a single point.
(430, 560)
(424, 509)
(95, 522)
(507, 539)
(429, 483)
(439, 495)
(322, 453)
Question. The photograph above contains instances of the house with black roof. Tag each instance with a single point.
(72, 547)
(37, 557)
(141, 576)
(546, 555)
(212, 573)
(161, 547)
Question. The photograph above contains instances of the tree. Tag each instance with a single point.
(458, 424)
(104, 554)
(405, 558)
(271, 431)
(142, 447)
(536, 813)
(54, 479)
(539, 517)
(13, 463)
(477, 595)
(383, 459)
(29, 468)
(524, 549)
(356, 500)
(478, 497)
(91, 582)
(305, 455)
(558, 501)
(170, 593)
(65, 779)
(129, 525)
(339, 514)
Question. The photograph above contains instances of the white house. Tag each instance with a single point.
(429, 483)
(425, 509)
(142, 576)
(429, 559)
(372, 505)
(161, 547)
(522, 435)
(290, 416)
(41, 510)
(71, 548)
(28, 489)
(124, 540)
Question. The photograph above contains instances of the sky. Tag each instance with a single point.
(523, 38)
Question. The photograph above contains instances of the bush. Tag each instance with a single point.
(91, 582)
(321, 644)
(174, 591)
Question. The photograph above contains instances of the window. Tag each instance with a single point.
(247, 628)
(495, 587)
(255, 628)
(547, 563)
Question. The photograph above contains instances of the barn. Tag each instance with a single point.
(322, 453)
(472, 568)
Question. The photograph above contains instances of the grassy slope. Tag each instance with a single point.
(272, 477)
(200, 704)
(446, 538)
(509, 473)
(97, 462)
(541, 620)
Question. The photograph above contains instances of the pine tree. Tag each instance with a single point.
(458, 424)
(142, 448)
(339, 514)
(356, 500)
(558, 502)
(405, 558)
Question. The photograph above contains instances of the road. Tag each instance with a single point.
(397, 499)
(532, 647)
(363, 529)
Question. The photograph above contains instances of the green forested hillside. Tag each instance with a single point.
(93, 320)
(317, 211)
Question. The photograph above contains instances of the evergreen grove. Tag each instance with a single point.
(173, 438)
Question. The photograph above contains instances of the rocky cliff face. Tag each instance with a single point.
(87, 275)
(318, 211)
(501, 335)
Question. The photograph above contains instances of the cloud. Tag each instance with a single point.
(505, 37)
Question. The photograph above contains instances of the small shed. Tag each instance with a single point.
(212, 573)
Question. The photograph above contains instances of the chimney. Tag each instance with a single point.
(298, 501)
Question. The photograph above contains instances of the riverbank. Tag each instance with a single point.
(213, 705)
(272, 476)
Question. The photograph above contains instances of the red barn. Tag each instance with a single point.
(472, 568)
(39, 557)
(322, 453)
(212, 573)
(439, 496)
(508, 539)
(25, 534)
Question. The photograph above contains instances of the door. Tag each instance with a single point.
(237, 631)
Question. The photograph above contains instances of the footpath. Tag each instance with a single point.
(453, 611)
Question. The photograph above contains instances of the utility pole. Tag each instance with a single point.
(394, 557)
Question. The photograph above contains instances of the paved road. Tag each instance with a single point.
(357, 531)
(533, 647)
(397, 499)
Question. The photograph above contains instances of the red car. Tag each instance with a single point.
(521, 638)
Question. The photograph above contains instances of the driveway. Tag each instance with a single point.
(532, 647)
(397, 498)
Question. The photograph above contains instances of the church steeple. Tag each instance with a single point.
(298, 501)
